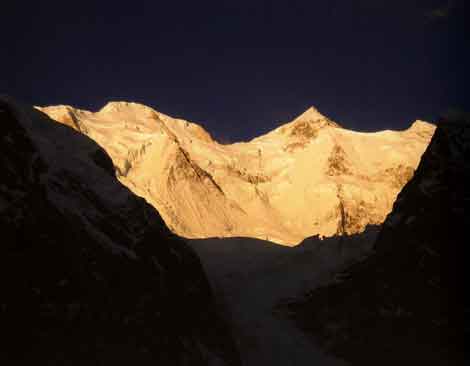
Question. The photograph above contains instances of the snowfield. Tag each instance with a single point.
(251, 277)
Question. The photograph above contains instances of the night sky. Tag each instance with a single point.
(241, 69)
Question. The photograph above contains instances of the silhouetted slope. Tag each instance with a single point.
(404, 304)
(89, 273)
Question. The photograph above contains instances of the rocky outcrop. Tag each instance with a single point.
(337, 162)
(89, 273)
(404, 304)
(282, 186)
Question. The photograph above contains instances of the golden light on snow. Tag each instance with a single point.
(307, 177)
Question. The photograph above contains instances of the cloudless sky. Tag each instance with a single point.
(242, 68)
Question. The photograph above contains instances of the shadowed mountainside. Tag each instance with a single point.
(89, 273)
(404, 304)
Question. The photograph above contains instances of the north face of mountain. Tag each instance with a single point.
(404, 304)
(89, 273)
(308, 177)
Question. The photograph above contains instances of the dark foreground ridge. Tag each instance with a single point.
(89, 273)
(404, 304)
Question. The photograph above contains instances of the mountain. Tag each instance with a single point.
(89, 272)
(308, 177)
(404, 304)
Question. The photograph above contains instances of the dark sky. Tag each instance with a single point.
(241, 69)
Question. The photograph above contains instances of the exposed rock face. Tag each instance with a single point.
(405, 304)
(307, 177)
(89, 273)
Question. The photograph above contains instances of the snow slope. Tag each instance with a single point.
(252, 277)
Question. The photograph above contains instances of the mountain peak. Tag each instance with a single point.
(422, 128)
(308, 120)
(419, 124)
(311, 114)
(116, 106)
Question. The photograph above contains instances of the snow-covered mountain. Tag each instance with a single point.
(89, 272)
(307, 177)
